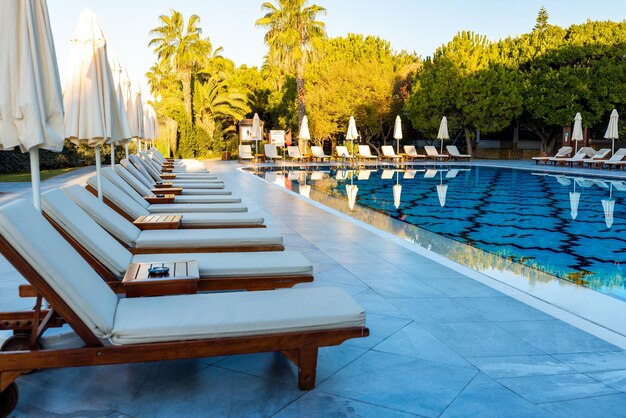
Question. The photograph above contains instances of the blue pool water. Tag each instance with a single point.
(567, 226)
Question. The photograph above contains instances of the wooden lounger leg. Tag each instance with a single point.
(8, 393)
(306, 361)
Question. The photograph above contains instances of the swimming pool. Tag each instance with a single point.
(569, 227)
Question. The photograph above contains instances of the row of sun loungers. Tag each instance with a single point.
(76, 254)
(365, 154)
(586, 157)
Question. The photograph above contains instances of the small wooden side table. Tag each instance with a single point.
(147, 222)
(181, 279)
(164, 198)
(163, 184)
(167, 176)
(168, 190)
(259, 158)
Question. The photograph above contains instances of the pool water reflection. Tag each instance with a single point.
(566, 226)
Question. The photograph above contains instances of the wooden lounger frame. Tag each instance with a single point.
(299, 347)
(205, 284)
(119, 210)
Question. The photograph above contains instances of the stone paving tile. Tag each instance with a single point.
(480, 340)
(414, 341)
(554, 337)
(398, 382)
(613, 406)
(615, 379)
(520, 366)
(484, 398)
(436, 310)
(503, 308)
(215, 392)
(276, 366)
(373, 303)
(595, 362)
(543, 389)
(316, 404)
(461, 287)
(381, 327)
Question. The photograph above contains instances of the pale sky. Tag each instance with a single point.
(413, 25)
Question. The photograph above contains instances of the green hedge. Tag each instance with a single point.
(12, 162)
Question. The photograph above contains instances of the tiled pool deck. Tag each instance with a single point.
(441, 344)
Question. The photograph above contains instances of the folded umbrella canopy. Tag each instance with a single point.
(149, 123)
(304, 133)
(92, 113)
(117, 72)
(31, 105)
(136, 115)
(611, 130)
(443, 132)
(397, 132)
(352, 134)
(577, 134)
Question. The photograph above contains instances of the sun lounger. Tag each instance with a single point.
(143, 189)
(317, 175)
(365, 174)
(409, 174)
(584, 152)
(616, 160)
(294, 153)
(365, 153)
(342, 152)
(126, 330)
(154, 208)
(456, 155)
(271, 152)
(387, 174)
(132, 210)
(137, 190)
(248, 271)
(411, 153)
(151, 173)
(318, 154)
(390, 154)
(174, 240)
(430, 173)
(344, 174)
(186, 184)
(433, 154)
(245, 153)
(563, 152)
(598, 158)
(182, 167)
(113, 177)
(159, 171)
(190, 186)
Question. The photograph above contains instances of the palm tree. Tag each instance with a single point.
(293, 32)
(182, 47)
(216, 102)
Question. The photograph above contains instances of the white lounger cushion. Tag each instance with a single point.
(200, 238)
(106, 217)
(198, 198)
(91, 236)
(121, 199)
(196, 208)
(59, 264)
(235, 314)
(220, 219)
(270, 263)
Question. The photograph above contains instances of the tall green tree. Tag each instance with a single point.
(464, 82)
(183, 47)
(293, 33)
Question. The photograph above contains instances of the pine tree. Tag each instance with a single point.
(542, 19)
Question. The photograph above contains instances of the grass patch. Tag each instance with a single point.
(25, 177)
